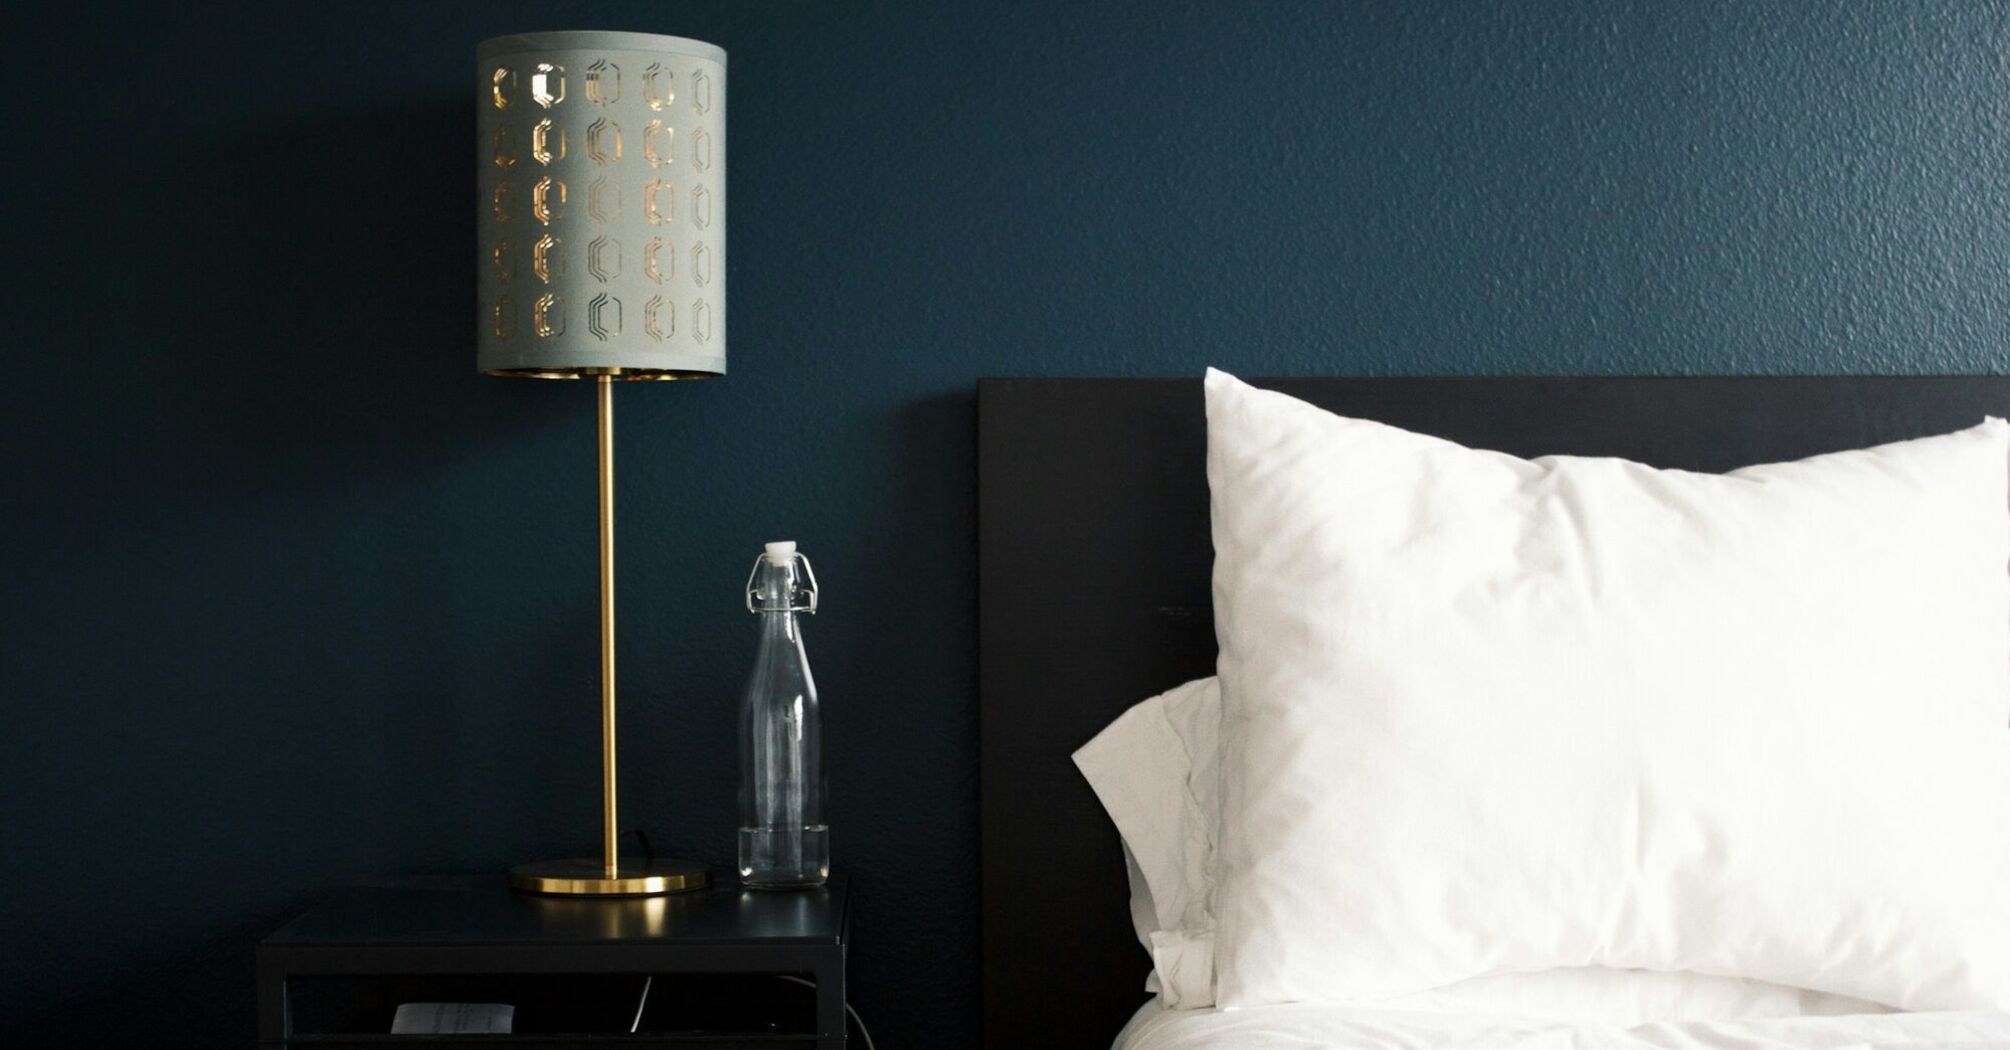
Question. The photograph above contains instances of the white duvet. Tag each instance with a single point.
(1311, 1026)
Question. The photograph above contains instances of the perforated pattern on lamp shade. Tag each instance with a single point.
(601, 205)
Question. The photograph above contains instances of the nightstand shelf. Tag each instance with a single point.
(574, 968)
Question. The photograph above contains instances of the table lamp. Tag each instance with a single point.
(601, 254)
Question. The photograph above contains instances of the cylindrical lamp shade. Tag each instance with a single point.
(601, 206)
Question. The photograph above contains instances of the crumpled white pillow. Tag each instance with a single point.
(1487, 715)
(1149, 774)
(1156, 771)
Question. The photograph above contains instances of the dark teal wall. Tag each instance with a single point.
(292, 596)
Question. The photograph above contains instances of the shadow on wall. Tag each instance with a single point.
(316, 412)
(349, 341)
(197, 998)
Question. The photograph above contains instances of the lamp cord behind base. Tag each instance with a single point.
(856, 1019)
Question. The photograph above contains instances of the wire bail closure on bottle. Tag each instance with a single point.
(802, 587)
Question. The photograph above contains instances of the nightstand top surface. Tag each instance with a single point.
(482, 910)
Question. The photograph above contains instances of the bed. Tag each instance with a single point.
(1094, 573)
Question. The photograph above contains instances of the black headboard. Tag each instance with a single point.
(1094, 558)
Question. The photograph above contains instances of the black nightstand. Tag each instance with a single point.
(715, 963)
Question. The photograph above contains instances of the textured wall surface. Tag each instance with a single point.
(292, 596)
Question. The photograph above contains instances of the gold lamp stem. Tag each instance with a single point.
(608, 877)
(610, 823)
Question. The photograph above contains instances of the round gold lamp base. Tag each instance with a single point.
(582, 877)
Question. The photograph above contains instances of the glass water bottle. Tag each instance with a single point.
(784, 842)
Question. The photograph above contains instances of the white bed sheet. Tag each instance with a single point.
(1311, 1026)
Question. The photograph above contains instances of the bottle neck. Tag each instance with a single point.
(779, 624)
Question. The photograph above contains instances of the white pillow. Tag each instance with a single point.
(1154, 769)
(1151, 769)
(1487, 715)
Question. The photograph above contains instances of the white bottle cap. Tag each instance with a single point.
(781, 552)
